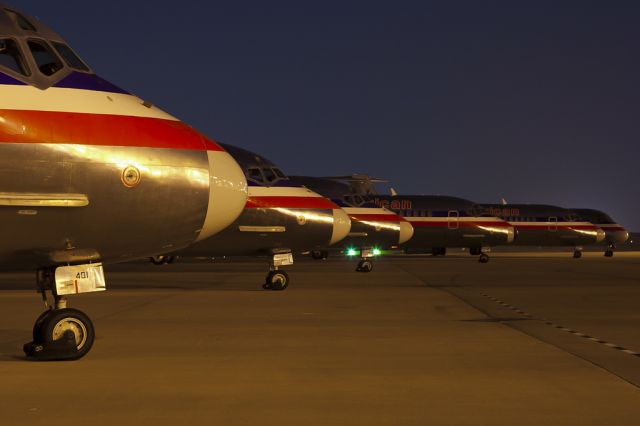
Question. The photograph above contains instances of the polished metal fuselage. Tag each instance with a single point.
(265, 231)
(372, 233)
(164, 211)
(461, 235)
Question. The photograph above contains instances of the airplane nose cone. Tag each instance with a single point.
(341, 226)
(624, 236)
(406, 232)
(511, 234)
(618, 236)
(600, 236)
(227, 193)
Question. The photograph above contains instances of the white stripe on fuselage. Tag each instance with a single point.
(281, 191)
(551, 224)
(368, 210)
(55, 99)
(449, 219)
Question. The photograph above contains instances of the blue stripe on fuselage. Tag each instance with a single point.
(79, 80)
(285, 183)
(75, 80)
(5, 79)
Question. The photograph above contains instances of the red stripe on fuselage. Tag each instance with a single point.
(376, 217)
(612, 228)
(559, 226)
(290, 202)
(17, 126)
(460, 224)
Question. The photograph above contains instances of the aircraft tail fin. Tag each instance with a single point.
(504, 202)
(393, 192)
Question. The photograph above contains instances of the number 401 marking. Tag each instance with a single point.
(82, 275)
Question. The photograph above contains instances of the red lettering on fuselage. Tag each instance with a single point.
(504, 211)
(394, 204)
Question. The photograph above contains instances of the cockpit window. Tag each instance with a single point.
(255, 175)
(11, 58)
(20, 20)
(279, 173)
(47, 61)
(269, 175)
(70, 57)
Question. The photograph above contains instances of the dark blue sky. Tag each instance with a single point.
(532, 101)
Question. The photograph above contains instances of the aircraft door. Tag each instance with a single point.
(454, 219)
(553, 224)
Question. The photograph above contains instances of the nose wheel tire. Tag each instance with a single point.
(483, 258)
(608, 253)
(162, 260)
(439, 251)
(319, 254)
(276, 280)
(61, 334)
(365, 266)
(577, 254)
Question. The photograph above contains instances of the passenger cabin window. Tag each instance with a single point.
(70, 57)
(20, 20)
(47, 61)
(11, 58)
(255, 175)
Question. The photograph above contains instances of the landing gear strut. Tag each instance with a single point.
(278, 279)
(60, 333)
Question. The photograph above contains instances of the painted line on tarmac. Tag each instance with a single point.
(562, 328)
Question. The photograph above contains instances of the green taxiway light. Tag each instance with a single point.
(377, 252)
(351, 252)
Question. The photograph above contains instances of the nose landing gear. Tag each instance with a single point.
(577, 254)
(481, 252)
(439, 251)
(609, 251)
(162, 260)
(366, 259)
(319, 254)
(61, 333)
(278, 279)
(365, 265)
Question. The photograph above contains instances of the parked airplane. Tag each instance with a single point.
(280, 218)
(614, 233)
(373, 228)
(438, 221)
(90, 174)
(545, 225)
(441, 222)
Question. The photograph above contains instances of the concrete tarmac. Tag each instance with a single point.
(420, 340)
